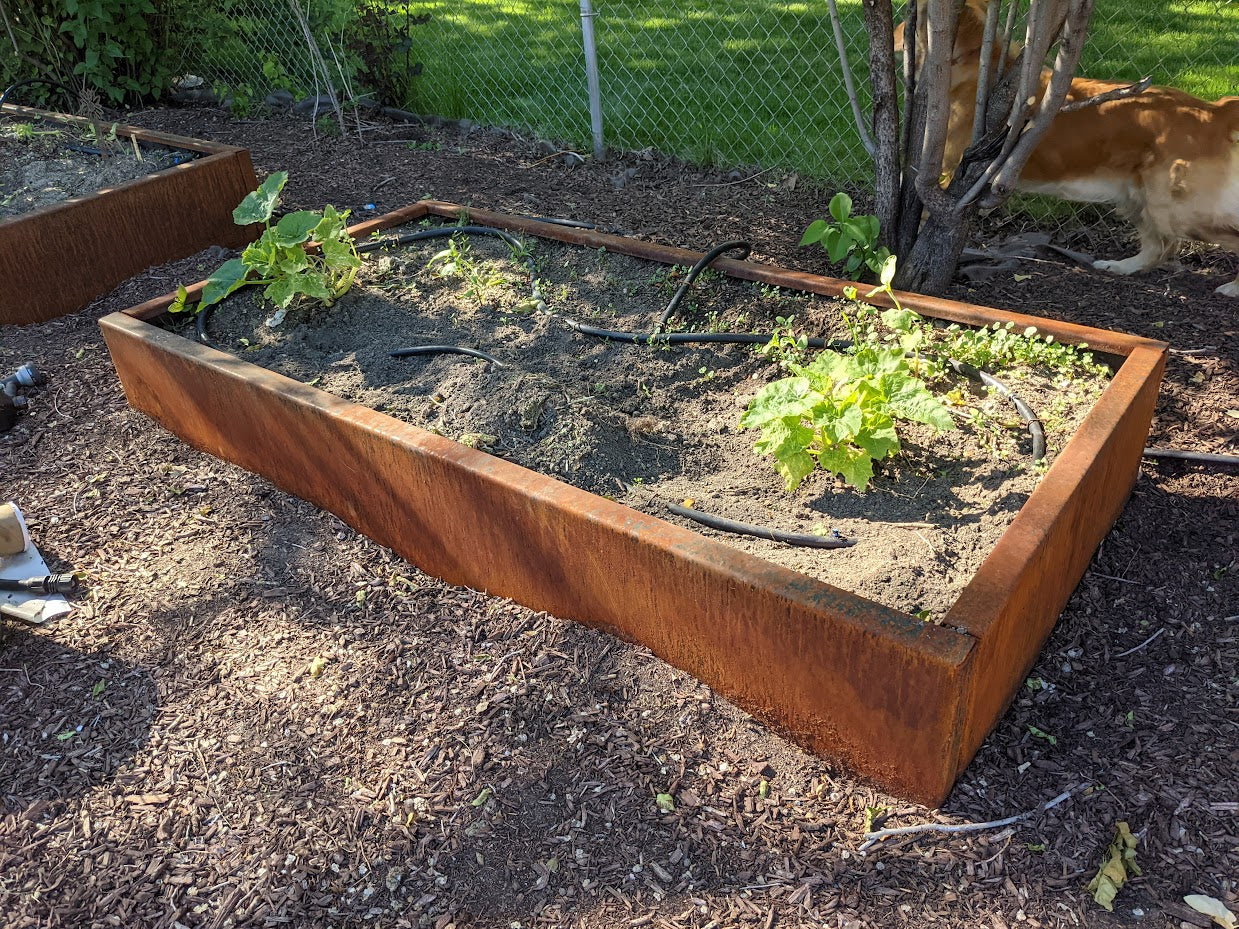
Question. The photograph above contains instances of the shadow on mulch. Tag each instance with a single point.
(69, 720)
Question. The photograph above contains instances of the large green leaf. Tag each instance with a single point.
(909, 398)
(295, 228)
(851, 463)
(787, 440)
(310, 283)
(258, 206)
(291, 260)
(841, 427)
(814, 233)
(840, 207)
(223, 282)
(787, 397)
(879, 437)
(340, 254)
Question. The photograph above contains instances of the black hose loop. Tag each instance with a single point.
(200, 327)
(69, 92)
(1035, 430)
(744, 248)
(414, 350)
(807, 540)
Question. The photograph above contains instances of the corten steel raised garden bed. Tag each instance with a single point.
(904, 702)
(56, 259)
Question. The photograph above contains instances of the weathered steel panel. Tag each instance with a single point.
(1013, 601)
(904, 703)
(873, 687)
(57, 259)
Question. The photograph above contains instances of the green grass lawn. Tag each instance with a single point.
(731, 82)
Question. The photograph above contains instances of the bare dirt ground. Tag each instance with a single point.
(260, 718)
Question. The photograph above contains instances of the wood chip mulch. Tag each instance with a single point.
(259, 718)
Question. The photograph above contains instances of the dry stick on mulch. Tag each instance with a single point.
(873, 838)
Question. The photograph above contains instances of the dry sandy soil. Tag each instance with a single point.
(260, 718)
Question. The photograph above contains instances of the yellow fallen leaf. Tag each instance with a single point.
(688, 501)
(1022, 277)
(1112, 875)
(317, 665)
(1213, 908)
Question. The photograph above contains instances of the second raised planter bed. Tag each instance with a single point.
(56, 259)
(904, 702)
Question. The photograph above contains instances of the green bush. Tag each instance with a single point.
(114, 47)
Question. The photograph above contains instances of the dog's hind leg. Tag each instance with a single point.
(1155, 248)
(1228, 240)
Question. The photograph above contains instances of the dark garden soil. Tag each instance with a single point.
(43, 163)
(649, 426)
(260, 718)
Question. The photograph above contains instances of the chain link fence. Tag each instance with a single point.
(730, 83)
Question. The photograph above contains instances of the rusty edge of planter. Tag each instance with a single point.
(901, 702)
(56, 259)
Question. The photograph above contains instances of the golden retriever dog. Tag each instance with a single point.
(1165, 159)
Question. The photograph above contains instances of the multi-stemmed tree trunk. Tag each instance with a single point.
(924, 219)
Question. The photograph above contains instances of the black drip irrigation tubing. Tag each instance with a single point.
(69, 92)
(1231, 461)
(445, 350)
(808, 540)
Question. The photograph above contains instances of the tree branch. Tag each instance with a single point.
(913, 130)
(850, 86)
(1007, 32)
(983, 74)
(881, 28)
(1074, 30)
(934, 86)
(1131, 90)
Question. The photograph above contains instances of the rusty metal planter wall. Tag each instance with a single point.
(900, 701)
(55, 260)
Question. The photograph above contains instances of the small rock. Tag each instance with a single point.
(620, 181)
(572, 160)
(313, 106)
(546, 148)
(279, 100)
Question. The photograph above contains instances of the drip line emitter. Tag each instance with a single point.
(659, 336)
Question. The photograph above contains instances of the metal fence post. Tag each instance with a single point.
(591, 74)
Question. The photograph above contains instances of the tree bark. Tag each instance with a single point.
(929, 267)
(879, 23)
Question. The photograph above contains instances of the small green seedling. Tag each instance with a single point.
(279, 260)
(851, 239)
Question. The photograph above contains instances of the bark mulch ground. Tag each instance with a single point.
(261, 718)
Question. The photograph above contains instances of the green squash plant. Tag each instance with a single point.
(279, 261)
(839, 410)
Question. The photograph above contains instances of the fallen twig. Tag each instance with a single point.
(730, 183)
(873, 838)
(1131, 651)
